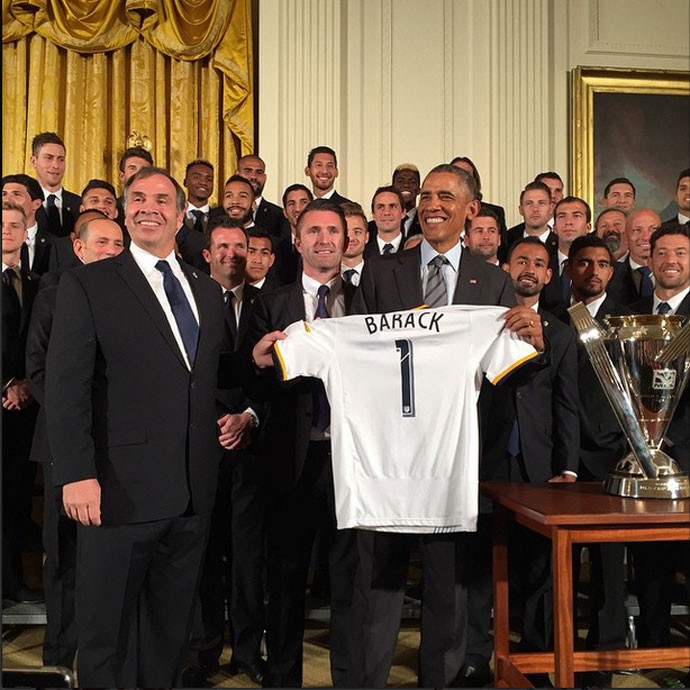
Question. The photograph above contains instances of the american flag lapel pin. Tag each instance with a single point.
(474, 281)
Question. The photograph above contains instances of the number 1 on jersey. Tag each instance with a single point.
(404, 347)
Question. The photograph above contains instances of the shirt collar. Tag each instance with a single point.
(673, 302)
(147, 261)
(593, 306)
(191, 207)
(453, 254)
(47, 192)
(359, 267)
(311, 286)
(31, 232)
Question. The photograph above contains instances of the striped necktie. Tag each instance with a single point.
(436, 293)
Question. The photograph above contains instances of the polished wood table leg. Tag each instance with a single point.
(563, 628)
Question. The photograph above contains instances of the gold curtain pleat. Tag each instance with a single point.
(177, 71)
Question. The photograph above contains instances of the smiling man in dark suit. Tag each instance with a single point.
(60, 207)
(448, 198)
(295, 449)
(131, 378)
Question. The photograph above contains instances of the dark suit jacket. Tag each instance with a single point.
(288, 262)
(517, 231)
(338, 198)
(285, 434)
(624, 287)
(270, 218)
(42, 251)
(372, 245)
(189, 222)
(547, 412)
(672, 221)
(190, 245)
(602, 443)
(70, 210)
(121, 404)
(62, 254)
(501, 214)
(552, 295)
(678, 435)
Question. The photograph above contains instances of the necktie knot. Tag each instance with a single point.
(349, 275)
(51, 199)
(387, 248)
(438, 262)
(198, 214)
(663, 308)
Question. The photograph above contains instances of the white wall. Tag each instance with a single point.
(391, 81)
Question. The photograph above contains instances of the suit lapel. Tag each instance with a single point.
(131, 274)
(468, 287)
(250, 293)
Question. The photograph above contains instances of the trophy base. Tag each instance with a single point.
(628, 479)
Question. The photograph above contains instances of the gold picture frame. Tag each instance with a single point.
(615, 112)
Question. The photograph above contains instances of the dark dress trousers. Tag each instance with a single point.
(299, 479)
(122, 406)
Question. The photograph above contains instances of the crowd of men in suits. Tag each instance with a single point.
(181, 478)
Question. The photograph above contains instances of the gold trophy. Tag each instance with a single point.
(643, 364)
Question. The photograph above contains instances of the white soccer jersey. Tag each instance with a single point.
(403, 390)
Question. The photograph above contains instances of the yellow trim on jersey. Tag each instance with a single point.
(281, 361)
(512, 367)
(306, 327)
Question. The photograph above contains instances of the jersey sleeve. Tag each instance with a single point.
(308, 349)
(506, 354)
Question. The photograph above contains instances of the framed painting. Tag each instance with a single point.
(634, 124)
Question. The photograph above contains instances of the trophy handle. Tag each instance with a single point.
(592, 338)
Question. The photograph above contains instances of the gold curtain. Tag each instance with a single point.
(178, 71)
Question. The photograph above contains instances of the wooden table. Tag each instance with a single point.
(566, 514)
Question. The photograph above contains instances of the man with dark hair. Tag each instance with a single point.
(682, 199)
(238, 199)
(24, 191)
(406, 180)
(602, 445)
(287, 264)
(536, 207)
(483, 237)
(131, 377)
(572, 219)
(385, 230)
(198, 181)
(530, 434)
(437, 272)
(468, 165)
(322, 170)
(232, 574)
(131, 162)
(619, 193)
(59, 206)
(267, 216)
(260, 258)
(610, 226)
(555, 184)
(101, 195)
(295, 452)
(655, 564)
(19, 408)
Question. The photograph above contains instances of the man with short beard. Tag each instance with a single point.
(482, 236)
(531, 434)
(610, 226)
(322, 170)
(268, 216)
(682, 199)
(238, 200)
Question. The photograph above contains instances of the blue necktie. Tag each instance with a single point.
(663, 308)
(184, 316)
(646, 285)
(388, 248)
(321, 410)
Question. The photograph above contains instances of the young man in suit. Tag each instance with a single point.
(198, 181)
(682, 200)
(60, 206)
(385, 230)
(295, 450)
(406, 180)
(98, 238)
(268, 216)
(19, 409)
(322, 170)
(234, 561)
(27, 193)
(656, 563)
(260, 258)
(131, 162)
(131, 377)
(602, 445)
(448, 198)
(531, 433)
(536, 208)
(357, 238)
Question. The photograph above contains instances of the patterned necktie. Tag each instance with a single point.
(182, 311)
(321, 410)
(54, 220)
(646, 285)
(349, 275)
(387, 248)
(230, 314)
(663, 308)
(436, 294)
(198, 223)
